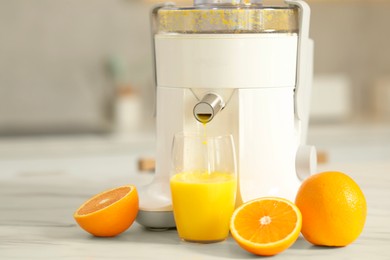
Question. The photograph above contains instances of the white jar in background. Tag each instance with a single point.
(127, 110)
(381, 98)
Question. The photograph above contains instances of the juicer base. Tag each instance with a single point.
(156, 220)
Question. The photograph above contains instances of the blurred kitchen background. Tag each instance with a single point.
(73, 70)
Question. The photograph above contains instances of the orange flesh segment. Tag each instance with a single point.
(266, 221)
(103, 200)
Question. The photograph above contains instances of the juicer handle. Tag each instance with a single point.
(153, 30)
(306, 156)
(304, 76)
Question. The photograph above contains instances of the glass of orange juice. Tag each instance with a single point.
(203, 186)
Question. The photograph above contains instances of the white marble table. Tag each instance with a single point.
(38, 195)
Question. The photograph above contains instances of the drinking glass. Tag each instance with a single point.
(203, 186)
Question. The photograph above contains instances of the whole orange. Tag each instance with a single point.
(109, 213)
(333, 209)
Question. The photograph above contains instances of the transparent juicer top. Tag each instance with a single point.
(227, 16)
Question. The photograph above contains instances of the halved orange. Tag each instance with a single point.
(109, 213)
(266, 226)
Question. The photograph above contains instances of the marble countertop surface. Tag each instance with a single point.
(39, 193)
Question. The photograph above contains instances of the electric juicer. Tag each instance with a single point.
(242, 68)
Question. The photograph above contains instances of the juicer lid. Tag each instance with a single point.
(207, 17)
(230, 2)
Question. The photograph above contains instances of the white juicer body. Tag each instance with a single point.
(257, 75)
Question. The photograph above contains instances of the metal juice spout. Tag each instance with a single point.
(205, 110)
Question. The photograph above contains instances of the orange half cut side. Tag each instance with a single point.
(109, 213)
(266, 226)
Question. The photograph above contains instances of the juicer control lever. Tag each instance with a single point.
(305, 161)
(208, 107)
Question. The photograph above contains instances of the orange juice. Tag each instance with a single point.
(203, 204)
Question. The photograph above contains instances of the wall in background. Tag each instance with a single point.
(55, 54)
(352, 38)
(55, 57)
